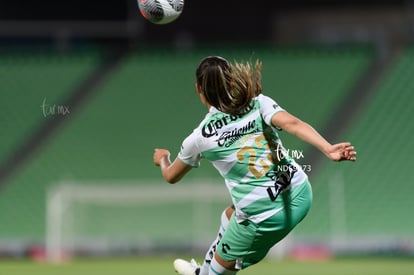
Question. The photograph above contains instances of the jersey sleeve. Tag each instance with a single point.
(189, 152)
(268, 108)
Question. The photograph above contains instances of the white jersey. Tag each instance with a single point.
(237, 147)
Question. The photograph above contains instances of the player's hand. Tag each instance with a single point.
(342, 151)
(160, 154)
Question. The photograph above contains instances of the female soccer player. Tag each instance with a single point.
(270, 192)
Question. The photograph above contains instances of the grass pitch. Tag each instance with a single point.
(163, 266)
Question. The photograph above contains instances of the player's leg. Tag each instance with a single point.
(184, 267)
(296, 204)
(219, 266)
(225, 217)
(247, 243)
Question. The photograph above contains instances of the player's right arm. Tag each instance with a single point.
(277, 117)
(295, 126)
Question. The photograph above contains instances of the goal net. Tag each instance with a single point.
(85, 218)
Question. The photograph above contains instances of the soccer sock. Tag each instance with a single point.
(218, 269)
(204, 270)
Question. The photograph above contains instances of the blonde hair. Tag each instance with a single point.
(229, 87)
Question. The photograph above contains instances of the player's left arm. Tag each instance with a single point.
(295, 126)
(172, 172)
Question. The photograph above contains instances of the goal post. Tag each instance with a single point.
(106, 217)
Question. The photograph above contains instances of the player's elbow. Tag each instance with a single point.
(171, 178)
(175, 172)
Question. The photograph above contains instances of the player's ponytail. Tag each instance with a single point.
(229, 88)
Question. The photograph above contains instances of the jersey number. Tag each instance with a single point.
(251, 153)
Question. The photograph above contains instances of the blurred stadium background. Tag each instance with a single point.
(88, 89)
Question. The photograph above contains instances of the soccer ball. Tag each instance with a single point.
(161, 11)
